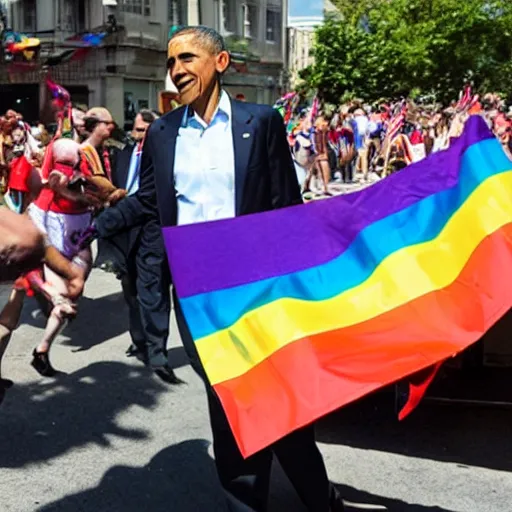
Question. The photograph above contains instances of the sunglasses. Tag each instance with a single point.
(140, 130)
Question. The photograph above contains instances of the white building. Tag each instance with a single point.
(301, 33)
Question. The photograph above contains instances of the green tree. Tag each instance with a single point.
(390, 48)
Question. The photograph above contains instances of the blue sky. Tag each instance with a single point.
(306, 7)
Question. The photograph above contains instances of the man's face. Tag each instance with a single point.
(104, 128)
(139, 128)
(193, 68)
(78, 121)
(18, 135)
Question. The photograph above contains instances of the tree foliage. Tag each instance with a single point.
(390, 48)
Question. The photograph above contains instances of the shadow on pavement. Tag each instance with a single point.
(177, 357)
(469, 436)
(98, 321)
(356, 500)
(180, 478)
(43, 420)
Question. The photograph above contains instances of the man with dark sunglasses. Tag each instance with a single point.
(141, 124)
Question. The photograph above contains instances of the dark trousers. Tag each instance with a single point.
(129, 286)
(347, 172)
(153, 294)
(246, 481)
(142, 266)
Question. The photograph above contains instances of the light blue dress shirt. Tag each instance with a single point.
(132, 182)
(204, 166)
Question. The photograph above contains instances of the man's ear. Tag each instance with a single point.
(222, 62)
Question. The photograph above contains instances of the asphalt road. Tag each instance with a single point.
(107, 436)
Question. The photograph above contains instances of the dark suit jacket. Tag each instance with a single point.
(120, 170)
(265, 176)
(120, 247)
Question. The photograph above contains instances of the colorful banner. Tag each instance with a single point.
(299, 311)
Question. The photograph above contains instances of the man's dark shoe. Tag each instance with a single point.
(133, 351)
(167, 375)
(140, 354)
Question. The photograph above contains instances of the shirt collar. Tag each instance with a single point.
(223, 111)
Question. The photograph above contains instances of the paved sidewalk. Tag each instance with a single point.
(107, 436)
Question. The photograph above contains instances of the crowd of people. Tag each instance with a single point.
(358, 140)
(61, 181)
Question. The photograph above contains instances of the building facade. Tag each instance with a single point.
(255, 32)
(301, 35)
(128, 70)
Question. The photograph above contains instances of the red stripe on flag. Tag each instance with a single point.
(418, 384)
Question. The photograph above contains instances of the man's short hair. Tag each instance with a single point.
(209, 38)
(148, 116)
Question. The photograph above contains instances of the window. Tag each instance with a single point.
(80, 16)
(136, 6)
(250, 17)
(67, 16)
(227, 18)
(29, 16)
(175, 14)
(273, 26)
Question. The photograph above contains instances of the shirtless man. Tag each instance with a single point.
(23, 248)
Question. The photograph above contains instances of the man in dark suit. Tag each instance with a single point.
(214, 159)
(123, 247)
(148, 327)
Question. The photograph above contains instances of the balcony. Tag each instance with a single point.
(267, 51)
(119, 60)
(254, 50)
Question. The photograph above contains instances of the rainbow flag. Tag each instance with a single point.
(297, 312)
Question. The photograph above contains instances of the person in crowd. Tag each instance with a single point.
(98, 125)
(321, 165)
(24, 248)
(123, 247)
(360, 124)
(101, 159)
(78, 115)
(347, 152)
(62, 212)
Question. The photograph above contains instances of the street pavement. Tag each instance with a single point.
(108, 436)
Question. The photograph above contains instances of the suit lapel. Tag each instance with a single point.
(169, 130)
(243, 137)
(123, 169)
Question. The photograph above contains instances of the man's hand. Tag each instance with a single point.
(58, 181)
(116, 196)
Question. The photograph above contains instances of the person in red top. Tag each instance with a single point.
(20, 161)
(63, 213)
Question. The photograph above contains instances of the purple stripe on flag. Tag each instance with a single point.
(303, 236)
